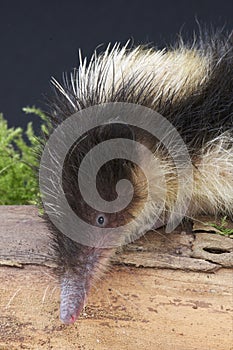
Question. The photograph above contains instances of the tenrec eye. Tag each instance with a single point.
(100, 220)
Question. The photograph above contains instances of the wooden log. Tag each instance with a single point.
(164, 291)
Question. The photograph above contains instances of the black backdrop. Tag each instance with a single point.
(40, 39)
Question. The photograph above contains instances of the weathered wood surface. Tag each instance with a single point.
(25, 240)
(180, 298)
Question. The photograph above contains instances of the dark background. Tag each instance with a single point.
(40, 39)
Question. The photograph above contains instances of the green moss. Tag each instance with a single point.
(18, 162)
(222, 227)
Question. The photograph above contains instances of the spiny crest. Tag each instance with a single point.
(138, 75)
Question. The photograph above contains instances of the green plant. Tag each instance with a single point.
(18, 161)
(222, 227)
